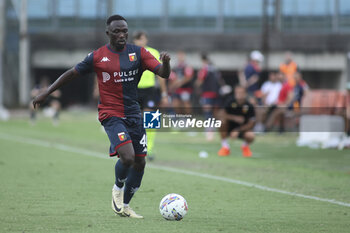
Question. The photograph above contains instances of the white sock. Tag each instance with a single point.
(224, 143)
(126, 205)
(245, 143)
(115, 187)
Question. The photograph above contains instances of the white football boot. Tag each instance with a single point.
(128, 212)
(117, 201)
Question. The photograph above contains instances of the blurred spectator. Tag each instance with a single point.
(208, 84)
(270, 92)
(271, 89)
(238, 119)
(181, 85)
(51, 108)
(289, 101)
(289, 68)
(249, 78)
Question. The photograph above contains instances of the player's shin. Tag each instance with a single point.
(132, 184)
(121, 173)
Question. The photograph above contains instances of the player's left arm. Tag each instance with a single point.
(248, 126)
(251, 120)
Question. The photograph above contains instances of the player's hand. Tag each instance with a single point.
(40, 99)
(234, 133)
(165, 57)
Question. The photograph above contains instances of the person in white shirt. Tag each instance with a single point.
(270, 92)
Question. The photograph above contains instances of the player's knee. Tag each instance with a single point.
(140, 163)
(249, 137)
(128, 160)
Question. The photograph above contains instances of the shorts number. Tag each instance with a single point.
(143, 140)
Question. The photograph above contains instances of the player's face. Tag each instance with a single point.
(117, 32)
(240, 94)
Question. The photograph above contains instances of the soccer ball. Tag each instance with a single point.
(173, 207)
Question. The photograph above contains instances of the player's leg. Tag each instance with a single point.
(149, 105)
(135, 175)
(122, 168)
(248, 138)
(120, 145)
(132, 184)
(56, 106)
(32, 113)
(224, 133)
(207, 106)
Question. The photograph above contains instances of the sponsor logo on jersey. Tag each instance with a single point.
(105, 59)
(121, 136)
(132, 57)
(105, 77)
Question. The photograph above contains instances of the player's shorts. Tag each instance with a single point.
(183, 96)
(147, 97)
(121, 131)
(233, 125)
(209, 101)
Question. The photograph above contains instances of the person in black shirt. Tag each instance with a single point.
(238, 119)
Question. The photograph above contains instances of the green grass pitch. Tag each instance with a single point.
(49, 182)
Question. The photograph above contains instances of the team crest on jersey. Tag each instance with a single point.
(245, 108)
(132, 57)
(121, 136)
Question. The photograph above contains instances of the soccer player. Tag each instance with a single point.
(147, 90)
(119, 66)
(238, 118)
(208, 82)
(182, 85)
(52, 105)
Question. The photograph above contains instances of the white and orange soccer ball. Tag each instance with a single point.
(173, 207)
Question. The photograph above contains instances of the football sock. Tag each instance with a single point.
(115, 187)
(121, 173)
(245, 143)
(224, 143)
(132, 184)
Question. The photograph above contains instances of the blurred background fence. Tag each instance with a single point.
(56, 34)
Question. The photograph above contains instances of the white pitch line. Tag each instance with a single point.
(77, 150)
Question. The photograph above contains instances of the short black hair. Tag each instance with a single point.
(114, 17)
(138, 34)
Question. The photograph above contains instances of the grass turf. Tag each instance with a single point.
(44, 189)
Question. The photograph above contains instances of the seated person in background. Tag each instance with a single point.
(270, 91)
(51, 107)
(238, 119)
(289, 98)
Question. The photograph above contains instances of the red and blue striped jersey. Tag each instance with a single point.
(118, 74)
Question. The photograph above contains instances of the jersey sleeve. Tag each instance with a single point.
(87, 65)
(148, 61)
(202, 74)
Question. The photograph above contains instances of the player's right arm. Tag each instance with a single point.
(66, 77)
(84, 67)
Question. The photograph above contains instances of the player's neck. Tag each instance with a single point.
(116, 48)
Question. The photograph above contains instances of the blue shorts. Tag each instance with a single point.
(208, 101)
(121, 131)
